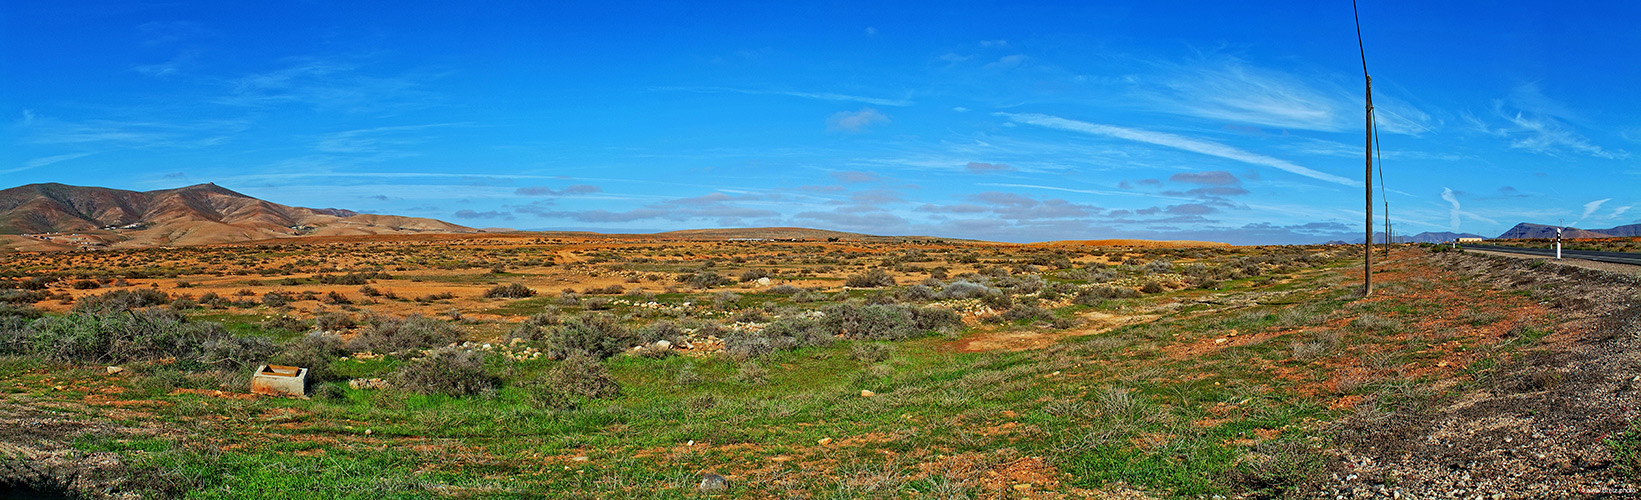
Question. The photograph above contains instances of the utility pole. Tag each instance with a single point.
(1367, 254)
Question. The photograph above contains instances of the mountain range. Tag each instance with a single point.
(56, 216)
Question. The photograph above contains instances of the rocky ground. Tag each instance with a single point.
(1535, 427)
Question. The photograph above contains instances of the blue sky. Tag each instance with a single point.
(1228, 121)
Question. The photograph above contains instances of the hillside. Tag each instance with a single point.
(63, 216)
(1527, 230)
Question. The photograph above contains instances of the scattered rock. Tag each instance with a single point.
(713, 483)
(824, 441)
(115, 370)
(866, 394)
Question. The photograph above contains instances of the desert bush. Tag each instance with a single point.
(114, 337)
(961, 289)
(753, 275)
(784, 289)
(870, 352)
(276, 299)
(1319, 346)
(24, 311)
(875, 278)
(596, 304)
(85, 285)
(446, 370)
(284, 323)
(335, 298)
(704, 279)
(1377, 323)
(236, 353)
(596, 335)
(582, 375)
(886, 322)
(314, 351)
(120, 300)
(385, 334)
(509, 291)
(534, 328)
(725, 300)
(780, 335)
(661, 330)
(1092, 296)
(1152, 287)
(22, 296)
(332, 321)
(918, 293)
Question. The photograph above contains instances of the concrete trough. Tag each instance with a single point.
(280, 380)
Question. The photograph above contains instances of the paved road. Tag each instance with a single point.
(1614, 257)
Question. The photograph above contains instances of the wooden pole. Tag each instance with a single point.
(1367, 261)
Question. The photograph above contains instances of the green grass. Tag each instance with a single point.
(1118, 406)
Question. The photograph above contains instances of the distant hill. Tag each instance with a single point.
(1527, 230)
(784, 233)
(1425, 237)
(69, 216)
(1626, 231)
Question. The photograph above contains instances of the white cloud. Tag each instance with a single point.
(1452, 214)
(856, 121)
(1177, 142)
(1591, 207)
(824, 96)
(1231, 90)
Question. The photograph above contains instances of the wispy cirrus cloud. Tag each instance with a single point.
(1231, 90)
(1538, 124)
(855, 121)
(1177, 142)
(824, 96)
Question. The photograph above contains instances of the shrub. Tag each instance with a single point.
(582, 375)
(753, 275)
(534, 328)
(22, 296)
(510, 291)
(965, 290)
(284, 323)
(121, 300)
(704, 280)
(235, 353)
(886, 322)
(596, 335)
(1317, 347)
(875, 278)
(781, 335)
(314, 351)
(725, 300)
(1092, 296)
(18, 310)
(109, 337)
(1152, 287)
(918, 293)
(446, 370)
(332, 321)
(784, 289)
(412, 332)
(276, 299)
(870, 352)
(85, 285)
(661, 330)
